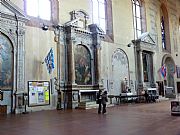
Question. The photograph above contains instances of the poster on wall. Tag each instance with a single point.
(38, 93)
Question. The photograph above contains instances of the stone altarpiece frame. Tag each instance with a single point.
(12, 26)
(87, 38)
(145, 48)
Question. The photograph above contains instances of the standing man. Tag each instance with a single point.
(99, 100)
(104, 100)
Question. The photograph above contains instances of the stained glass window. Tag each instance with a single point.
(163, 33)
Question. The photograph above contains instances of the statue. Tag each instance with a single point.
(124, 85)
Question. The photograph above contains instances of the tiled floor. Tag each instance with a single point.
(132, 119)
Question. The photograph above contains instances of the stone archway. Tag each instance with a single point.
(6, 63)
(120, 67)
(170, 69)
(6, 71)
(12, 34)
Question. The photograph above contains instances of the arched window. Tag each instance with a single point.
(165, 28)
(163, 33)
(42, 12)
(102, 16)
(138, 17)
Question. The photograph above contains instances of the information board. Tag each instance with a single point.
(38, 93)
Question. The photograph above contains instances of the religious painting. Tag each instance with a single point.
(5, 63)
(82, 65)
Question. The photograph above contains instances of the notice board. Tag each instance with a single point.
(38, 93)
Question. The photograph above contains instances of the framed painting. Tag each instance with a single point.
(6, 60)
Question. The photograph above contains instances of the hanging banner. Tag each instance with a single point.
(163, 71)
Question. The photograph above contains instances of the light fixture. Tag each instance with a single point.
(129, 45)
(45, 27)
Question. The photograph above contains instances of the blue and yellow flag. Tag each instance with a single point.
(49, 60)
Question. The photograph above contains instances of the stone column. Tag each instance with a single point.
(152, 82)
(139, 69)
(70, 65)
(96, 45)
(57, 30)
(73, 76)
(141, 73)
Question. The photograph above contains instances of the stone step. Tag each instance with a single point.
(90, 105)
(87, 105)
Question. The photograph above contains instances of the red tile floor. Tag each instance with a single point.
(131, 119)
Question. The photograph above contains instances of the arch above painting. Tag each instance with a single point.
(169, 63)
(13, 27)
(6, 63)
(120, 72)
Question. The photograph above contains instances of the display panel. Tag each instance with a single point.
(38, 93)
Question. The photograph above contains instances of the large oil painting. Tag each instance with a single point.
(82, 65)
(5, 63)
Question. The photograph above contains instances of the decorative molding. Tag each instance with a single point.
(11, 11)
(120, 55)
(79, 18)
(12, 24)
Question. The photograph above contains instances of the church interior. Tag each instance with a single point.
(57, 54)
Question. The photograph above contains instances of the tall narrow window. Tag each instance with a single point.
(99, 7)
(163, 33)
(179, 26)
(165, 29)
(39, 8)
(138, 18)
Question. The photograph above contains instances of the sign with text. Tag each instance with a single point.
(38, 93)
